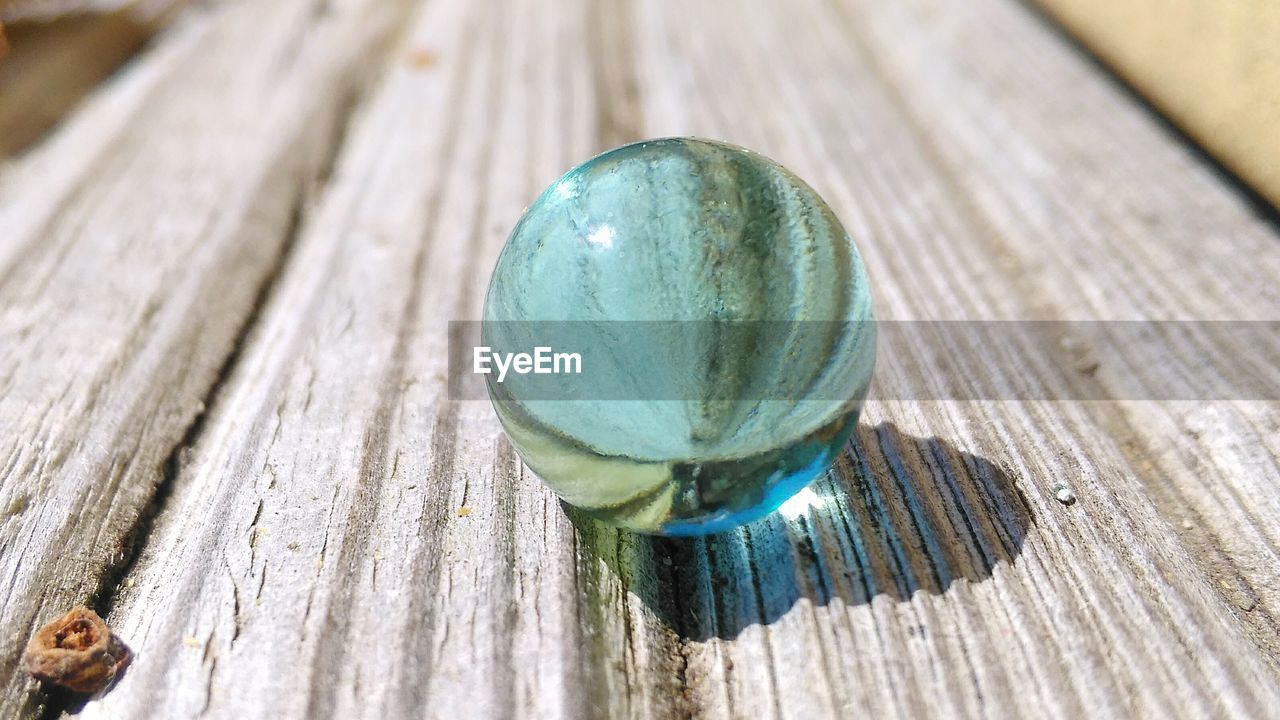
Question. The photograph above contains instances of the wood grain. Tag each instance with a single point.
(132, 250)
(339, 538)
(1135, 247)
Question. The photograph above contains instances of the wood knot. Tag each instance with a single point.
(76, 651)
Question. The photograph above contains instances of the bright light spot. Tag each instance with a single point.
(567, 189)
(800, 504)
(602, 236)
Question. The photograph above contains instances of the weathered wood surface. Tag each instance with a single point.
(132, 249)
(335, 537)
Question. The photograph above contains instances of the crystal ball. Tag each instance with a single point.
(697, 336)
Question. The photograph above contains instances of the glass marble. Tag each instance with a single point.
(722, 427)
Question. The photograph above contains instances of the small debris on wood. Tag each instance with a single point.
(1088, 367)
(420, 58)
(1064, 494)
(76, 651)
(464, 511)
(19, 504)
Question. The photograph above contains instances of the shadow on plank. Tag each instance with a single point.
(896, 515)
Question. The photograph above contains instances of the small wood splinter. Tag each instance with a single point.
(76, 651)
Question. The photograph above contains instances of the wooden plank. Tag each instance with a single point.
(1020, 124)
(313, 558)
(911, 263)
(133, 247)
(335, 512)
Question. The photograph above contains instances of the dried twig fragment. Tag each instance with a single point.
(77, 651)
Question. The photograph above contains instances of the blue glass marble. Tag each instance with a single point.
(723, 426)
